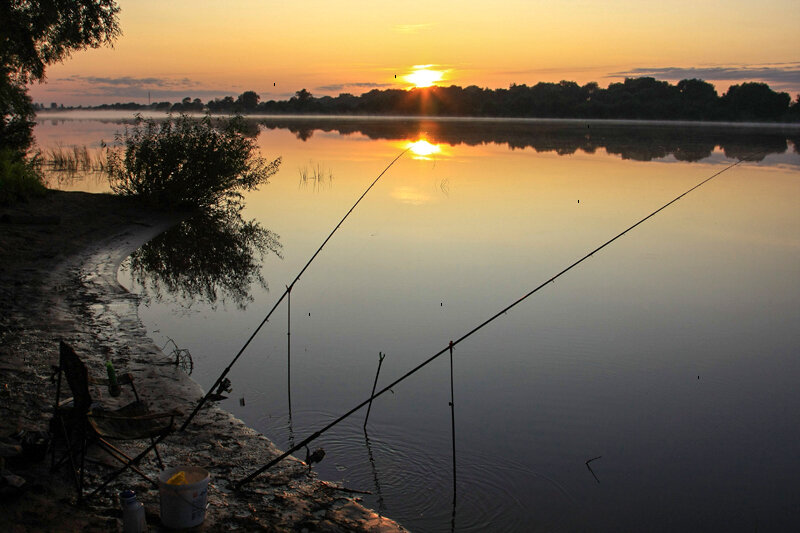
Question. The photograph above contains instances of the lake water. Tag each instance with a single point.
(671, 358)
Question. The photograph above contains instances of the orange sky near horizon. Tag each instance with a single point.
(205, 49)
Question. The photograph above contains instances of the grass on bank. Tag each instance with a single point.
(20, 178)
(74, 159)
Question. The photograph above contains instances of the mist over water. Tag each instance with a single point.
(672, 355)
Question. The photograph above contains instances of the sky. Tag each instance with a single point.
(210, 49)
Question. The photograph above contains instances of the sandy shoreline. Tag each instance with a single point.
(58, 261)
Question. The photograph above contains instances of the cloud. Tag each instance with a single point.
(412, 28)
(127, 88)
(781, 74)
(129, 82)
(94, 90)
(338, 87)
(552, 70)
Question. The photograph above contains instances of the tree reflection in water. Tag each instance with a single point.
(214, 256)
(639, 141)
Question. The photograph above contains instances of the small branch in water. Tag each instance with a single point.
(381, 355)
(590, 468)
(351, 491)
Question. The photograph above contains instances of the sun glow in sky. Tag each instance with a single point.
(424, 76)
(207, 49)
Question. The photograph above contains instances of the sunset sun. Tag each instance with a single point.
(422, 76)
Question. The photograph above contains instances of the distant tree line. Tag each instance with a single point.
(634, 98)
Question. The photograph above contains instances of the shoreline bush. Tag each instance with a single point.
(20, 178)
(187, 163)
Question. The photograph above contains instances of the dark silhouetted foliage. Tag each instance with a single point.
(794, 111)
(20, 178)
(635, 98)
(755, 101)
(37, 33)
(187, 162)
(187, 105)
(699, 100)
(16, 115)
(248, 100)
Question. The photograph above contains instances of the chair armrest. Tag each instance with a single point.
(112, 415)
(115, 426)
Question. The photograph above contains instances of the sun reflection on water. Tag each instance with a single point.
(423, 149)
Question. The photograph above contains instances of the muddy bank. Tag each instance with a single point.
(58, 261)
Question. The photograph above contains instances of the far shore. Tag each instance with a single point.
(104, 114)
(59, 257)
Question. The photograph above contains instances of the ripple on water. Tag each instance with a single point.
(411, 478)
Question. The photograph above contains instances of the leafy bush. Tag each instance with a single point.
(20, 178)
(186, 162)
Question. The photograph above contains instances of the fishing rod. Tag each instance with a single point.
(452, 344)
(287, 291)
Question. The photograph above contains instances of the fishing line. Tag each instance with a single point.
(287, 291)
(452, 344)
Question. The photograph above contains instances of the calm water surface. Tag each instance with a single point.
(673, 356)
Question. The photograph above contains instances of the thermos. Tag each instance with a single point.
(133, 520)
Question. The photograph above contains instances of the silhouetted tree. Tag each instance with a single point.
(753, 101)
(188, 105)
(37, 33)
(639, 98)
(699, 99)
(225, 105)
(794, 113)
(248, 100)
(16, 116)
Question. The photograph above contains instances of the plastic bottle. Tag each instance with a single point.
(133, 519)
(113, 386)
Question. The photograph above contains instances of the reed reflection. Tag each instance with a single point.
(315, 176)
(214, 256)
(376, 480)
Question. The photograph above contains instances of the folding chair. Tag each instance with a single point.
(81, 422)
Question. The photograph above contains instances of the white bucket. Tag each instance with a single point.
(183, 506)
